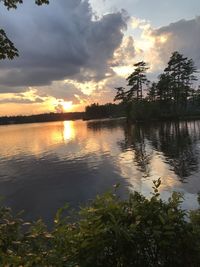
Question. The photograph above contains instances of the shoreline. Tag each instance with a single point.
(69, 118)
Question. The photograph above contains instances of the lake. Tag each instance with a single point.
(45, 165)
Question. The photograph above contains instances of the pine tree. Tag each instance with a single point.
(121, 94)
(181, 71)
(152, 94)
(164, 88)
(136, 81)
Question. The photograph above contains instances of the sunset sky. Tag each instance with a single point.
(73, 52)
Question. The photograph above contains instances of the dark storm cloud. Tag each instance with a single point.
(58, 41)
(21, 100)
(183, 36)
(7, 89)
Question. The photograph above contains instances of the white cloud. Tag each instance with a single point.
(182, 36)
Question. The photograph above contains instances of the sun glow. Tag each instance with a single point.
(123, 71)
(67, 105)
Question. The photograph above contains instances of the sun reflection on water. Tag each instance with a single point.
(68, 130)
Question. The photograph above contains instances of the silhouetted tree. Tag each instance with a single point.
(181, 71)
(7, 48)
(153, 92)
(96, 111)
(121, 94)
(196, 96)
(136, 81)
(170, 97)
(164, 93)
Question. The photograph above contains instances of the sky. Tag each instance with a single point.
(75, 52)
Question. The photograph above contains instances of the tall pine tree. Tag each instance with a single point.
(136, 81)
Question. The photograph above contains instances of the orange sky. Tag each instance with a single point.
(67, 62)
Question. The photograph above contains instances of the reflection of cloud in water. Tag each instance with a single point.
(167, 150)
(49, 164)
(50, 183)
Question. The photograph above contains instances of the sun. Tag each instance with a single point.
(67, 105)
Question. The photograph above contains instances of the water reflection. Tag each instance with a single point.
(105, 124)
(135, 140)
(68, 130)
(169, 150)
(49, 164)
(177, 142)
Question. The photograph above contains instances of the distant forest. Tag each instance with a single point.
(97, 111)
(94, 111)
(41, 118)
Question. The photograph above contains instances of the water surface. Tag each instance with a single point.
(45, 165)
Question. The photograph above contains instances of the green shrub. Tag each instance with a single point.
(109, 232)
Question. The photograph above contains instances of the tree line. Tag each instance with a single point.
(97, 111)
(172, 95)
(46, 117)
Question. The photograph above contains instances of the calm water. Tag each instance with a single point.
(45, 165)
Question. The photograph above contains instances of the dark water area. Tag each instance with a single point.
(45, 165)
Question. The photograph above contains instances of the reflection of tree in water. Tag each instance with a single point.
(178, 145)
(176, 140)
(109, 124)
(135, 140)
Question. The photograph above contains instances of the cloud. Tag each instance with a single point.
(182, 36)
(58, 41)
(104, 92)
(65, 90)
(21, 100)
(125, 54)
(28, 97)
(7, 89)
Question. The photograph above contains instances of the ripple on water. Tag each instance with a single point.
(42, 166)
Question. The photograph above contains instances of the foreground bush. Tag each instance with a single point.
(109, 232)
